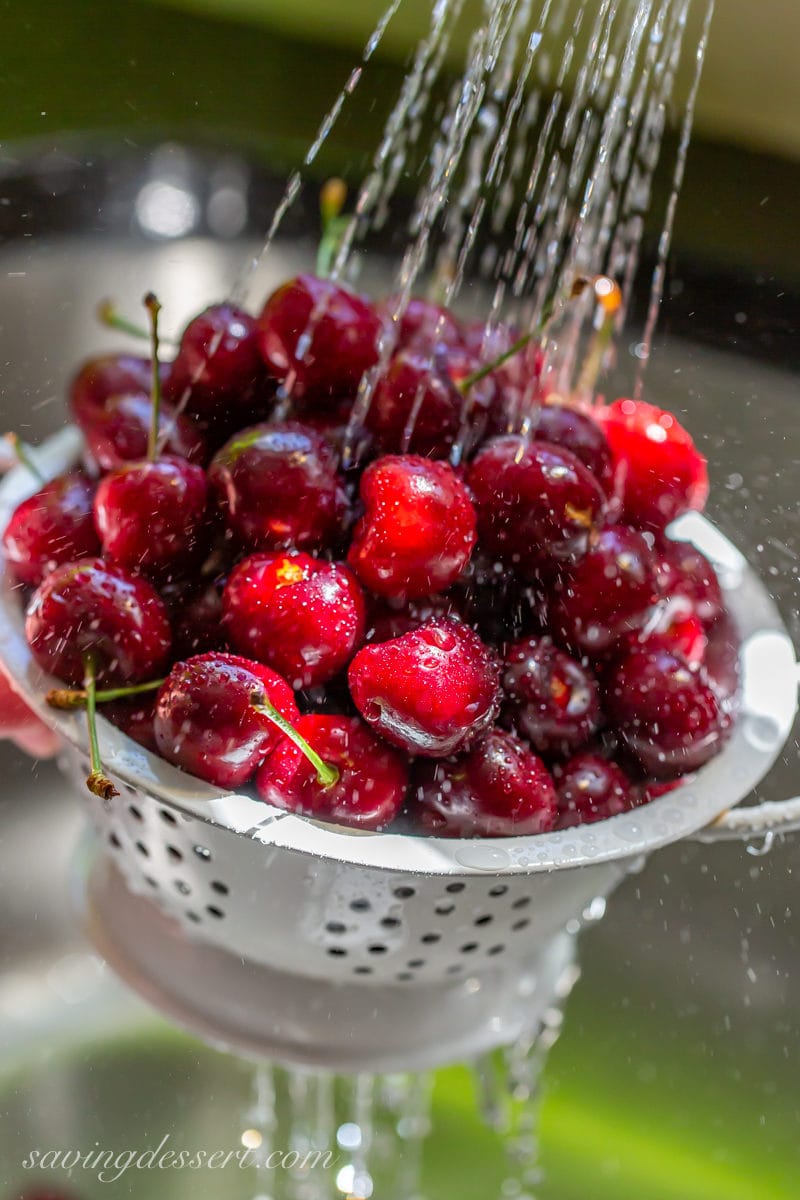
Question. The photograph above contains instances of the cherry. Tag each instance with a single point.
(416, 407)
(218, 367)
(500, 789)
(534, 501)
(418, 529)
(197, 622)
(517, 378)
(669, 716)
(611, 591)
(118, 433)
(722, 660)
(302, 616)
(659, 471)
(431, 691)
(372, 778)
(688, 580)
(590, 788)
(136, 719)
(53, 526)
(317, 337)
(552, 700)
(93, 609)
(563, 425)
(277, 487)
(387, 620)
(151, 515)
(425, 324)
(100, 379)
(206, 722)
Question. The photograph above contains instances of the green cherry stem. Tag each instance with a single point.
(97, 782)
(470, 380)
(109, 315)
(154, 308)
(327, 775)
(334, 225)
(69, 698)
(23, 456)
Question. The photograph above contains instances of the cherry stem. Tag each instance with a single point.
(23, 455)
(98, 782)
(154, 308)
(108, 314)
(327, 775)
(69, 698)
(470, 380)
(331, 202)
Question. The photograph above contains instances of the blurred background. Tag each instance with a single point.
(676, 1077)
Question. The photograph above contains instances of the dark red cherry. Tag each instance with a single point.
(534, 501)
(669, 716)
(611, 591)
(152, 515)
(136, 719)
(722, 659)
(416, 407)
(206, 724)
(118, 433)
(551, 699)
(386, 620)
(659, 471)
(218, 365)
(91, 607)
(197, 622)
(688, 580)
(418, 528)
(317, 337)
(424, 324)
(590, 788)
(431, 692)
(53, 526)
(372, 782)
(563, 425)
(517, 381)
(301, 615)
(100, 379)
(278, 487)
(500, 789)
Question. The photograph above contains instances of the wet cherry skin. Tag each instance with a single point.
(53, 526)
(550, 697)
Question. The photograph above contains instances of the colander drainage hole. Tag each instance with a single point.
(337, 951)
(362, 970)
(135, 812)
(192, 916)
(336, 927)
(167, 816)
(219, 887)
(377, 948)
(404, 893)
(213, 911)
(469, 947)
(391, 922)
(140, 846)
(444, 910)
(523, 902)
(484, 920)
(153, 883)
(431, 938)
(520, 925)
(454, 888)
(174, 854)
(405, 976)
(499, 890)
(114, 841)
(361, 905)
(495, 950)
(455, 969)
(183, 887)
(415, 963)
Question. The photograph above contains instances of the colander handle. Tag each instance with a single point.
(749, 824)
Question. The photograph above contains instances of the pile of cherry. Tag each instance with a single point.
(502, 646)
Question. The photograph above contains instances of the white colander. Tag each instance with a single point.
(313, 944)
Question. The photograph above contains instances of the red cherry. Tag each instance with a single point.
(205, 722)
(669, 716)
(685, 636)
(590, 788)
(418, 530)
(218, 366)
(688, 580)
(197, 622)
(659, 471)
(387, 621)
(611, 591)
(500, 789)
(136, 719)
(93, 608)
(416, 407)
(424, 324)
(517, 380)
(552, 700)
(152, 515)
(431, 692)
(277, 487)
(562, 425)
(118, 433)
(317, 337)
(534, 501)
(372, 782)
(100, 379)
(53, 526)
(302, 616)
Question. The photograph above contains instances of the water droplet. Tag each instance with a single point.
(483, 858)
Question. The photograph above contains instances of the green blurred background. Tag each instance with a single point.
(651, 1095)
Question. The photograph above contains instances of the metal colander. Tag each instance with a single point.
(314, 944)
